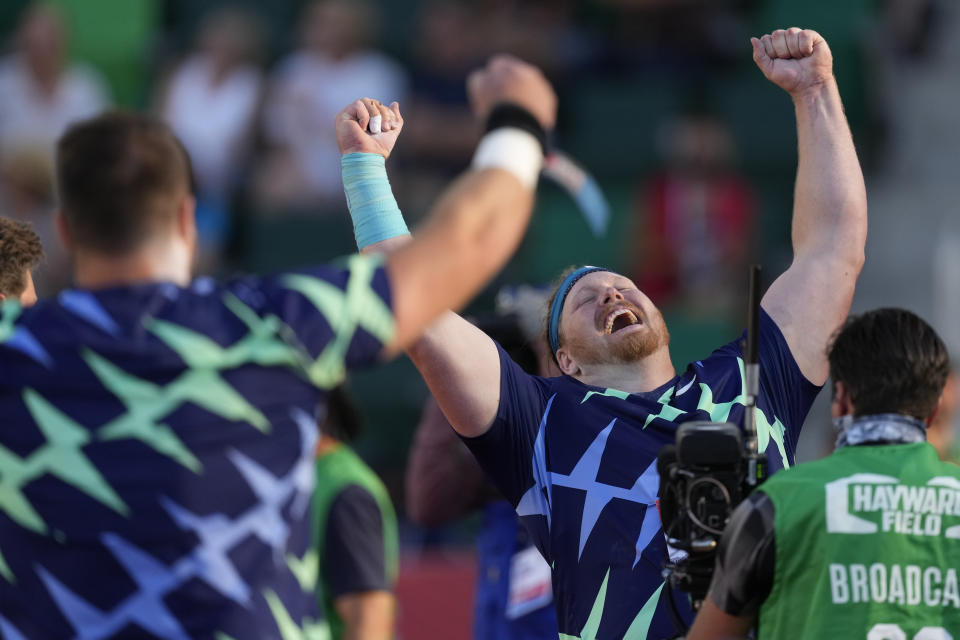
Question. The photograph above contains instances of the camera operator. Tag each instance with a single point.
(858, 544)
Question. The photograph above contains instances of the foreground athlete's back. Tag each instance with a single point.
(157, 438)
(163, 439)
(884, 523)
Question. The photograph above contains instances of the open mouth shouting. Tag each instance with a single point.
(619, 319)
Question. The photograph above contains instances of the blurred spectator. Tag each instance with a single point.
(210, 102)
(41, 93)
(447, 45)
(355, 533)
(697, 221)
(543, 32)
(451, 38)
(514, 599)
(331, 68)
(690, 34)
(908, 24)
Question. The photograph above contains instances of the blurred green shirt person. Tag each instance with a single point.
(355, 535)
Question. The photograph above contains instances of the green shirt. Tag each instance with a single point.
(867, 543)
(355, 532)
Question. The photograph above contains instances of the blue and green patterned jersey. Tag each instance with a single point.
(579, 463)
(157, 452)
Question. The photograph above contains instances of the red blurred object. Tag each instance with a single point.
(435, 595)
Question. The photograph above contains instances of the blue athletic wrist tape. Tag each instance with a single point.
(556, 308)
(373, 208)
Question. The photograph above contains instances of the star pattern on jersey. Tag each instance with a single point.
(766, 430)
(598, 494)
(612, 393)
(290, 630)
(538, 498)
(209, 561)
(647, 485)
(10, 310)
(9, 632)
(667, 412)
(18, 337)
(23, 341)
(5, 572)
(145, 607)
(61, 455)
(359, 306)
(306, 569)
(262, 344)
(637, 630)
(219, 534)
(84, 305)
(147, 403)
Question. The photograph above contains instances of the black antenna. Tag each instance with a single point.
(753, 319)
(756, 470)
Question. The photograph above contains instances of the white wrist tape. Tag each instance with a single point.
(513, 150)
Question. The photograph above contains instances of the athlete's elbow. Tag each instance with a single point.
(856, 260)
(851, 251)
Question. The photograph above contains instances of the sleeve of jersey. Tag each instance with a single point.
(744, 571)
(354, 554)
(337, 316)
(506, 450)
(786, 391)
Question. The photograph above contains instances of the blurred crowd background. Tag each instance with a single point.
(660, 101)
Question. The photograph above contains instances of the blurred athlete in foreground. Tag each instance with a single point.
(861, 544)
(576, 455)
(157, 447)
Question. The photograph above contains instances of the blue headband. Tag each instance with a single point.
(553, 325)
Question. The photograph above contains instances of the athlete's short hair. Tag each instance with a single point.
(119, 176)
(890, 361)
(20, 252)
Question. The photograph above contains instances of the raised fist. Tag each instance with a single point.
(367, 126)
(795, 60)
(509, 79)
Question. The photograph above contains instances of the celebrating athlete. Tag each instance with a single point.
(576, 455)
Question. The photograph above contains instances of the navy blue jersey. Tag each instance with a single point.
(157, 451)
(579, 464)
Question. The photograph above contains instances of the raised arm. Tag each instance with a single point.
(472, 231)
(812, 298)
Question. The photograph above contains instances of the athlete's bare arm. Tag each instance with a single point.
(472, 231)
(475, 226)
(461, 366)
(459, 362)
(812, 298)
(713, 623)
(367, 615)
